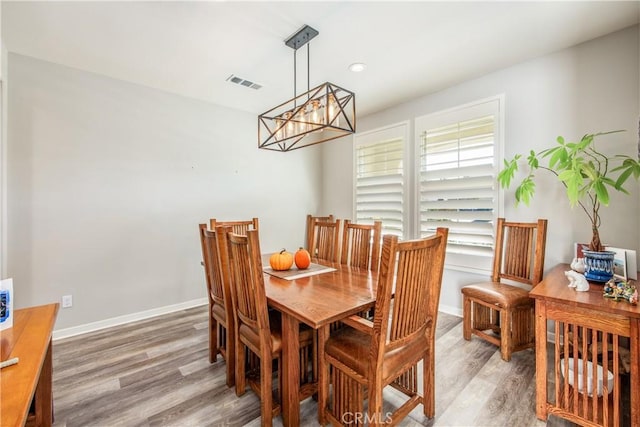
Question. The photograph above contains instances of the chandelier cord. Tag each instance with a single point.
(308, 70)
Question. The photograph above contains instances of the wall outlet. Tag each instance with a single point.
(67, 301)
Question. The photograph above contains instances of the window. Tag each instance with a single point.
(456, 166)
(380, 178)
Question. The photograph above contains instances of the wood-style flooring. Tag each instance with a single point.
(156, 372)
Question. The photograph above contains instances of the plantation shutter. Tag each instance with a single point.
(379, 192)
(457, 183)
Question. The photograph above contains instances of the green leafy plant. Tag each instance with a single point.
(587, 174)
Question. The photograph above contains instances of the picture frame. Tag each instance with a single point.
(619, 263)
(631, 267)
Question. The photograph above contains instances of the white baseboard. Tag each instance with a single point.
(449, 309)
(127, 318)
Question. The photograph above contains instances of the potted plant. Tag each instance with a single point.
(588, 176)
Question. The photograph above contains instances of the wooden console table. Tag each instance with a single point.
(586, 326)
(30, 379)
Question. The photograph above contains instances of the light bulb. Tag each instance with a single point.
(290, 127)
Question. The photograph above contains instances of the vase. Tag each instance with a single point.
(598, 265)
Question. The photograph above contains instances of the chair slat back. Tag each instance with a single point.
(215, 283)
(361, 245)
(238, 227)
(247, 283)
(325, 243)
(310, 230)
(519, 252)
(417, 266)
(205, 258)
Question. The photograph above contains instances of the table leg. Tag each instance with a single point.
(635, 371)
(541, 360)
(290, 371)
(323, 374)
(44, 394)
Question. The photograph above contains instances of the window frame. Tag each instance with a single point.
(399, 130)
(494, 105)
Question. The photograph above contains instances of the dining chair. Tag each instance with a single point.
(238, 227)
(365, 357)
(361, 245)
(221, 323)
(325, 241)
(499, 312)
(257, 329)
(309, 230)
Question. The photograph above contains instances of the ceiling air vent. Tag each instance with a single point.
(242, 82)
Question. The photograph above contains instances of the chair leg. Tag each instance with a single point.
(428, 383)
(231, 357)
(466, 318)
(266, 395)
(375, 415)
(240, 366)
(506, 341)
(213, 338)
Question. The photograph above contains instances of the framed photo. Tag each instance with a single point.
(619, 262)
(631, 267)
(577, 249)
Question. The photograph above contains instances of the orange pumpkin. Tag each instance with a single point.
(281, 261)
(302, 259)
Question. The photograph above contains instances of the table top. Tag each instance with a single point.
(554, 287)
(323, 298)
(28, 340)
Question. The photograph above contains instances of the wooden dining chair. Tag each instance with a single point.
(325, 241)
(221, 322)
(238, 227)
(502, 313)
(363, 358)
(309, 229)
(257, 329)
(361, 245)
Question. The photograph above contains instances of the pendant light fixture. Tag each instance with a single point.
(320, 114)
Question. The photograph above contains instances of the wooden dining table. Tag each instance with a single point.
(316, 301)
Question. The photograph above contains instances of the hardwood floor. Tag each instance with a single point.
(156, 373)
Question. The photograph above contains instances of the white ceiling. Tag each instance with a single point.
(410, 48)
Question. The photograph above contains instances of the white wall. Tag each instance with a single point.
(107, 182)
(587, 88)
(3, 149)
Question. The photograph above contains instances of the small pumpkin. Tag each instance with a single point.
(281, 261)
(302, 259)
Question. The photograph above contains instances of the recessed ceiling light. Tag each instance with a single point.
(357, 67)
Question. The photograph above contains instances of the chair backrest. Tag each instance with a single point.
(309, 230)
(217, 280)
(411, 272)
(361, 245)
(247, 283)
(238, 227)
(325, 242)
(205, 258)
(519, 251)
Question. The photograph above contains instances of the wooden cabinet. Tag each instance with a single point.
(595, 361)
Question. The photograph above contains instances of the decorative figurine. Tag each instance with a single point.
(621, 291)
(577, 280)
(578, 265)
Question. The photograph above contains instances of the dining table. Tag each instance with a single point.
(327, 293)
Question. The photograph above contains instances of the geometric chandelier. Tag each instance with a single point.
(320, 114)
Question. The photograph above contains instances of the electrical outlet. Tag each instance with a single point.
(67, 301)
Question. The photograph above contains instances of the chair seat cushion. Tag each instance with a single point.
(353, 348)
(500, 294)
(275, 324)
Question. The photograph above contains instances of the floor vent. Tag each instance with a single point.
(243, 82)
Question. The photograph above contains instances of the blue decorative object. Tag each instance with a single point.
(598, 265)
